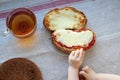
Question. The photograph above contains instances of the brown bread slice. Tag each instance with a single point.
(19, 69)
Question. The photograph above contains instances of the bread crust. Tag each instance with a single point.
(19, 69)
(46, 21)
(69, 49)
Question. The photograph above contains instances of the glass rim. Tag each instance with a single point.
(15, 11)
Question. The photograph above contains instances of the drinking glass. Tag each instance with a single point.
(21, 22)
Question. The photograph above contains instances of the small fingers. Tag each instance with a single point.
(83, 73)
(76, 53)
(87, 69)
(72, 54)
(81, 53)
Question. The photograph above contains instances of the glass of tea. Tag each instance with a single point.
(21, 22)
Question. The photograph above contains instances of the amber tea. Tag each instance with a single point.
(21, 22)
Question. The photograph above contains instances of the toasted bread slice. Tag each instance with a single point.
(69, 40)
(64, 18)
(19, 69)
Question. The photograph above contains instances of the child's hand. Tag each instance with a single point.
(76, 58)
(88, 73)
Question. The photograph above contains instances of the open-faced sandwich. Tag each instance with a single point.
(68, 27)
(69, 40)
